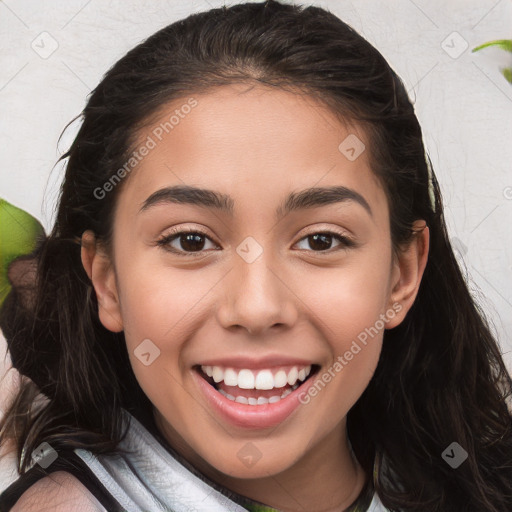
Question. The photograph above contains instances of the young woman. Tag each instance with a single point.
(249, 300)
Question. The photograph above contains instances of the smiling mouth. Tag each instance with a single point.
(256, 387)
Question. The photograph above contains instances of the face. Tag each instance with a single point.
(278, 301)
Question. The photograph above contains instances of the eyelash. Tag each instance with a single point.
(165, 240)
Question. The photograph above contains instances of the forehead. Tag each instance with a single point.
(256, 142)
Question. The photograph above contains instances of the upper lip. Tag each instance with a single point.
(266, 362)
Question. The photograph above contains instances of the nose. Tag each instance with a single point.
(257, 297)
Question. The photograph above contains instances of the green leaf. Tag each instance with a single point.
(504, 44)
(19, 232)
(507, 73)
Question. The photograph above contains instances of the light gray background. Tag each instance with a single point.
(464, 105)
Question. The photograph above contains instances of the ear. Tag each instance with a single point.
(408, 268)
(100, 270)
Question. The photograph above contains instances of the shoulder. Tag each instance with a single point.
(58, 492)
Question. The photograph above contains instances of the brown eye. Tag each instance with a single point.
(322, 241)
(185, 242)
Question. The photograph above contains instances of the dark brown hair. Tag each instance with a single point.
(440, 378)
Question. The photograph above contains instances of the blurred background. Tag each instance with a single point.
(52, 54)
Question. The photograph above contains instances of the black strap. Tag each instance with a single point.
(67, 461)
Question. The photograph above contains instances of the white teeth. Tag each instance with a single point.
(293, 375)
(230, 377)
(245, 379)
(227, 395)
(263, 379)
(260, 400)
(217, 374)
(280, 379)
(286, 393)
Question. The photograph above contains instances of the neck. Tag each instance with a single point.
(328, 478)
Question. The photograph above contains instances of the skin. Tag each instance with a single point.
(257, 145)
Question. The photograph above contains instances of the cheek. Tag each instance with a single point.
(346, 305)
(157, 306)
(158, 302)
(346, 300)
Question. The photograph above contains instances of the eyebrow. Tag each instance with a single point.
(206, 198)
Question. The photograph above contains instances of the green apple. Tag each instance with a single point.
(19, 232)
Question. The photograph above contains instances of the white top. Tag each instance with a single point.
(152, 480)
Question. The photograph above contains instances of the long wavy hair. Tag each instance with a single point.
(440, 378)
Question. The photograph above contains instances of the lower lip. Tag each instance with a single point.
(252, 416)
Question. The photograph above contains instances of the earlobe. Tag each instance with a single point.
(408, 272)
(100, 270)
